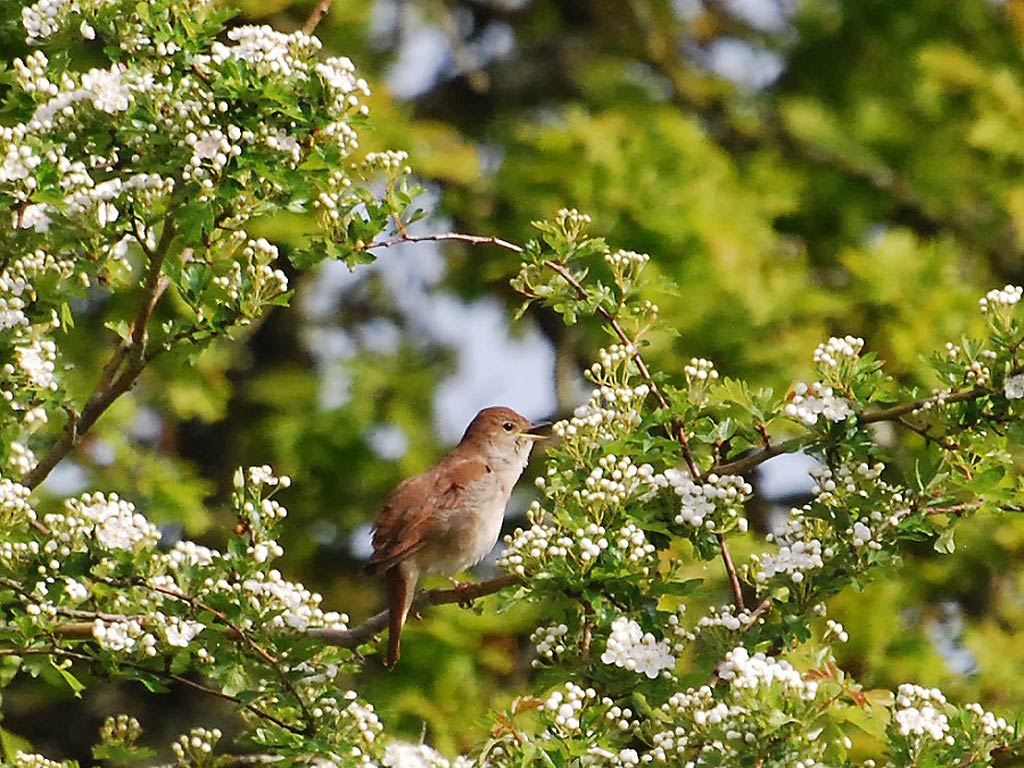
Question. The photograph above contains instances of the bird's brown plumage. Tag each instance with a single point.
(407, 523)
(448, 517)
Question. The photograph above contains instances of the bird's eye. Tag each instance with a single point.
(508, 426)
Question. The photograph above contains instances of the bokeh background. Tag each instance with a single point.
(795, 169)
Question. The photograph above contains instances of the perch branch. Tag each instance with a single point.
(351, 638)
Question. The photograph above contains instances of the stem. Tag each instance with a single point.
(111, 384)
(678, 426)
(734, 580)
(76, 656)
(244, 637)
(446, 237)
(319, 11)
(356, 636)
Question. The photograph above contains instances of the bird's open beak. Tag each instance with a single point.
(531, 432)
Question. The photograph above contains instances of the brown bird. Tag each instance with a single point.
(448, 518)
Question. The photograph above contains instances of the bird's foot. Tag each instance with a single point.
(460, 589)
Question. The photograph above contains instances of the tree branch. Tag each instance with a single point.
(446, 237)
(112, 384)
(351, 638)
(76, 656)
(260, 651)
(344, 638)
(313, 20)
(894, 413)
(730, 569)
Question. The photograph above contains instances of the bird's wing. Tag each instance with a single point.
(410, 519)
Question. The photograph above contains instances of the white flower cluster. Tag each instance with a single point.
(31, 75)
(403, 754)
(252, 280)
(533, 548)
(533, 545)
(613, 408)
(919, 713)
(37, 361)
(830, 485)
(746, 672)
(715, 503)
(19, 161)
(190, 748)
(390, 161)
(290, 57)
(13, 292)
(567, 707)
(35, 216)
(355, 716)
(186, 554)
(836, 352)
(836, 630)
(630, 648)
(264, 474)
(120, 728)
(1013, 387)
(572, 221)
(33, 760)
(123, 635)
(265, 50)
(111, 520)
(14, 504)
(990, 724)
(808, 403)
(623, 260)
(549, 641)
(89, 200)
(280, 141)
(1000, 298)
(609, 412)
(701, 370)
(287, 603)
(178, 632)
(724, 616)
(338, 197)
(107, 90)
(793, 559)
(720, 722)
(633, 543)
(612, 481)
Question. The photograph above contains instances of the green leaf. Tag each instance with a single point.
(944, 543)
(73, 682)
(12, 744)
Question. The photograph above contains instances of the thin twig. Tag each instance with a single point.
(730, 569)
(313, 20)
(351, 638)
(76, 656)
(447, 237)
(678, 426)
(894, 413)
(245, 638)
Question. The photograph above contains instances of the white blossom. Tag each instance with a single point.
(809, 402)
(1013, 387)
(629, 647)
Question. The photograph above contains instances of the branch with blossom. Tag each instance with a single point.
(141, 177)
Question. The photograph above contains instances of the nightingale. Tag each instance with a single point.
(448, 518)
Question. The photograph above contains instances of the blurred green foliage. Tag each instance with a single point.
(869, 183)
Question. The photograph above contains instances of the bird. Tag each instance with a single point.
(448, 518)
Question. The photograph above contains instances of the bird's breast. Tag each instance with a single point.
(475, 524)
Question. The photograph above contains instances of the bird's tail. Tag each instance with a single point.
(400, 587)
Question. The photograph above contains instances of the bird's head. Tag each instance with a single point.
(501, 433)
